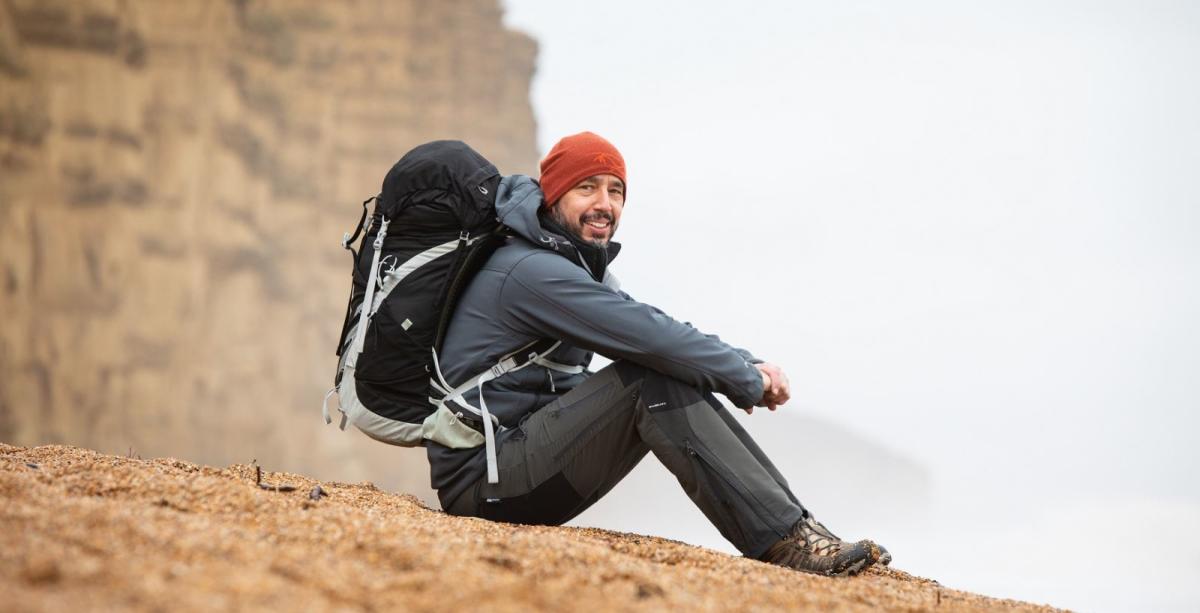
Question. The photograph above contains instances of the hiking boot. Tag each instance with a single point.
(885, 557)
(812, 548)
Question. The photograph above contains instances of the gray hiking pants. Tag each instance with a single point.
(574, 450)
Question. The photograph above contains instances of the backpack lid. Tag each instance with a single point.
(446, 166)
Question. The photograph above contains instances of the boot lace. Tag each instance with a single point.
(816, 537)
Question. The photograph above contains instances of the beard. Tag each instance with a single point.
(575, 226)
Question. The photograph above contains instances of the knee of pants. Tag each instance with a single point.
(658, 391)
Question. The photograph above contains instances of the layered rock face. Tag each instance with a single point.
(175, 178)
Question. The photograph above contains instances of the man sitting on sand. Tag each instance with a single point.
(570, 435)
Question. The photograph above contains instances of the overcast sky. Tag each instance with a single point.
(968, 231)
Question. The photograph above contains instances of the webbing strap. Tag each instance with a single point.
(397, 274)
(510, 363)
(325, 404)
(489, 439)
(514, 361)
(552, 365)
(363, 226)
(369, 298)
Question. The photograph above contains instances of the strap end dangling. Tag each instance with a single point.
(325, 405)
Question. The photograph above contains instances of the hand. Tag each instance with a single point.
(776, 388)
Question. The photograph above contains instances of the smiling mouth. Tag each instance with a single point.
(598, 222)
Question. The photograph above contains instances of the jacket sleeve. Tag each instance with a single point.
(545, 295)
(749, 357)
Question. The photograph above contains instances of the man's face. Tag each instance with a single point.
(592, 209)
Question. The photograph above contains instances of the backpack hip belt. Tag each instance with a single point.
(532, 353)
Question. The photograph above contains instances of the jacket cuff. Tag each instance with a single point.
(754, 391)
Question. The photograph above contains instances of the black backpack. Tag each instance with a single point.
(433, 226)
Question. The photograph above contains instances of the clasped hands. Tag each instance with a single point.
(776, 389)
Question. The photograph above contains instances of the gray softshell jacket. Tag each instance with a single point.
(537, 286)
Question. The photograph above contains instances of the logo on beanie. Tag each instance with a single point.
(608, 161)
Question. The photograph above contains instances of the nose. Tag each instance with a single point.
(604, 202)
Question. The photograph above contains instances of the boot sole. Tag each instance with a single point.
(854, 568)
(860, 565)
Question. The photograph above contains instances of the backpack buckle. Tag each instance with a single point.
(502, 367)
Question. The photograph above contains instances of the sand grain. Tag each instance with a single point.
(81, 530)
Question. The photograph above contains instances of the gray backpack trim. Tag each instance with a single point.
(380, 428)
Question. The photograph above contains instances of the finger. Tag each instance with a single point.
(777, 379)
(749, 410)
(785, 387)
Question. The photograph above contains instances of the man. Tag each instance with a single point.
(569, 435)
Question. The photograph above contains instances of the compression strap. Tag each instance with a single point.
(512, 362)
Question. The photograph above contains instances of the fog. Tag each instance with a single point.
(968, 232)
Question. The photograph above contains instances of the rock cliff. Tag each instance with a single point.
(175, 178)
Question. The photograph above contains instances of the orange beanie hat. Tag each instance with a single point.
(575, 158)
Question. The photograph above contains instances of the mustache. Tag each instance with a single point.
(596, 216)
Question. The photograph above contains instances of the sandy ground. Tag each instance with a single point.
(81, 530)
